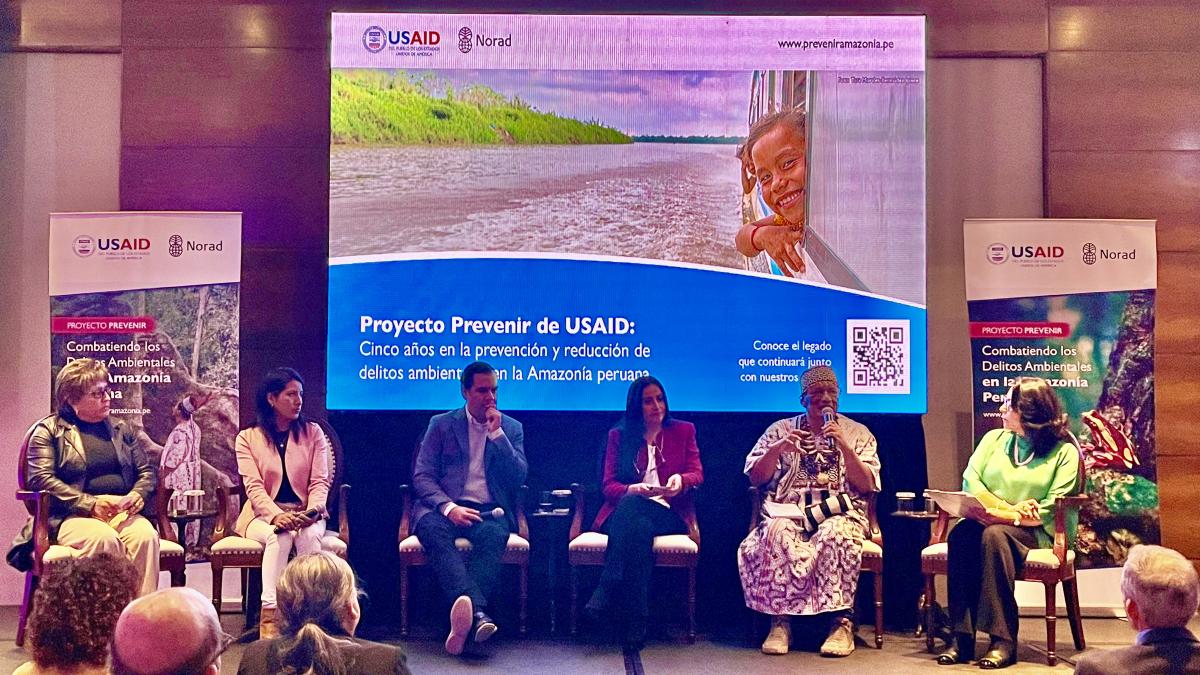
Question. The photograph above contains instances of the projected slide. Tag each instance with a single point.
(570, 199)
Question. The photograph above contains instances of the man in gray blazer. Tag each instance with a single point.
(1161, 595)
(469, 466)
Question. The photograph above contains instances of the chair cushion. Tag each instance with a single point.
(1044, 557)
(871, 549)
(670, 543)
(168, 548)
(412, 545)
(236, 544)
(937, 551)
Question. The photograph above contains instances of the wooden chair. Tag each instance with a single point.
(231, 551)
(412, 554)
(586, 549)
(1049, 566)
(872, 552)
(46, 553)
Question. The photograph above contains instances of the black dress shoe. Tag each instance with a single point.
(961, 650)
(1001, 654)
(483, 627)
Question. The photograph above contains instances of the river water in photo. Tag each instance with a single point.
(665, 201)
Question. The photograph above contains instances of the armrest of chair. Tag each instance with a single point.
(162, 502)
(405, 513)
(937, 534)
(577, 491)
(41, 524)
(344, 513)
(874, 533)
(756, 500)
(693, 527)
(219, 527)
(1062, 506)
(522, 521)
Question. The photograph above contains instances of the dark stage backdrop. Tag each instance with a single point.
(564, 448)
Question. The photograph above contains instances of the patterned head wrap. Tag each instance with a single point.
(187, 406)
(817, 374)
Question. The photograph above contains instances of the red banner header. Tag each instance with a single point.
(1019, 330)
(102, 324)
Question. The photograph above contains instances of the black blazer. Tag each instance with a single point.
(362, 657)
(1160, 651)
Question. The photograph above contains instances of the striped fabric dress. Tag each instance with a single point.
(786, 570)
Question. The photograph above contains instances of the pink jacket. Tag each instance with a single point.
(258, 462)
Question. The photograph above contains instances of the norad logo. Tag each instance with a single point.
(1093, 254)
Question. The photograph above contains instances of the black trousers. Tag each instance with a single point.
(984, 563)
(629, 558)
(478, 575)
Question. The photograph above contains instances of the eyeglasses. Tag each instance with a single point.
(100, 393)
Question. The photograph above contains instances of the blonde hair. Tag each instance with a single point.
(314, 597)
(75, 378)
(1163, 583)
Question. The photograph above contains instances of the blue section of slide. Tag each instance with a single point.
(572, 334)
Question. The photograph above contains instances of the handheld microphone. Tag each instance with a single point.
(495, 514)
(311, 514)
(826, 418)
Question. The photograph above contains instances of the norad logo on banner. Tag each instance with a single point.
(1072, 301)
(155, 297)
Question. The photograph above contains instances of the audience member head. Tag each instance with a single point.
(317, 597)
(175, 631)
(280, 396)
(1160, 588)
(75, 609)
(81, 387)
(1040, 414)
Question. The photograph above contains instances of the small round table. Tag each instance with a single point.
(931, 516)
(556, 523)
(182, 518)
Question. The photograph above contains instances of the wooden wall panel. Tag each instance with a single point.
(1177, 398)
(1124, 25)
(1177, 317)
(1178, 477)
(1152, 184)
(987, 27)
(295, 24)
(250, 97)
(284, 192)
(79, 25)
(1107, 101)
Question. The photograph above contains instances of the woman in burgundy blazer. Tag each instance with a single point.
(284, 461)
(650, 466)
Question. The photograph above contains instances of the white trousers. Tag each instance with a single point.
(277, 549)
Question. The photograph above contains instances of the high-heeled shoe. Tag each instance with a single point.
(961, 650)
(1001, 654)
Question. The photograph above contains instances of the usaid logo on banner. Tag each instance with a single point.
(175, 246)
(374, 39)
(997, 254)
(464, 39)
(84, 246)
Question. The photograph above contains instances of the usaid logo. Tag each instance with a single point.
(1089, 253)
(84, 245)
(374, 39)
(175, 246)
(464, 39)
(997, 254)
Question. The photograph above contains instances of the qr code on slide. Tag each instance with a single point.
(877, 355)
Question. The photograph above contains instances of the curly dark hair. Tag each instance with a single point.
(75, 609)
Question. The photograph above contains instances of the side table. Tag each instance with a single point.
(930, 516)
(554, 525)
(182, 518)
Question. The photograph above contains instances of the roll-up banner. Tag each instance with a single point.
(1072, 301)
(155, 295)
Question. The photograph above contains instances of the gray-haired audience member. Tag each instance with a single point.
(174, 631)
(1160, 588)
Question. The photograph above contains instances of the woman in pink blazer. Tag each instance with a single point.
(650, 466)
(284, 461)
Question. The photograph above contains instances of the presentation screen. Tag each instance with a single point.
(720, 202)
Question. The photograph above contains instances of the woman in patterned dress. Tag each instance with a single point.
(180, 464)
(806, 566)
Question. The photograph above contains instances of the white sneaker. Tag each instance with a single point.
(780, 637)
(841, 639)
(462, 616)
